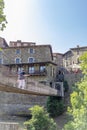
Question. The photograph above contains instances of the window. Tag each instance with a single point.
(20, 69)
(25, 44)
(17, 60)
(31, 50)
(18, 44)
(18, 51)
(42, 68)
(54, 58)
(31, 69)
(31, 60)
(1, 61)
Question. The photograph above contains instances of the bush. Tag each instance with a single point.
(55, 106)
(40, 120)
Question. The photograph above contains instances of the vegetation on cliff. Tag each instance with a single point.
(78, 108)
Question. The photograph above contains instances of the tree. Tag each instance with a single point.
(55, 106)
(78, 109)
(3, 20)
(40, 120)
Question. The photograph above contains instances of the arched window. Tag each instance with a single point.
(31, 60)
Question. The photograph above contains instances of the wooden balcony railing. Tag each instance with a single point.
(39, 73)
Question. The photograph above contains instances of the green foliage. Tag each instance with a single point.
(83, 60)
(40, 120)
(69, 126)
(78, 109)
(2, 16)
(66, 86)
(55, 106)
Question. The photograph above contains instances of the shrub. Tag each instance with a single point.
(40, 120)
(55, 106)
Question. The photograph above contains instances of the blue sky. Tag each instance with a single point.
(60, 23)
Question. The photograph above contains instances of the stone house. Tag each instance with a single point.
(71, 58)
(37, 60)
(58, 59)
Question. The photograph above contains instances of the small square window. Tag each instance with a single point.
(31, 51)
(18, 51)
(18, 44)
(17, 60)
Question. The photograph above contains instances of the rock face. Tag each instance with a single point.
(18, 104)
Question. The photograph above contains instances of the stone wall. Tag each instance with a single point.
(42, 53)
(18, 104)
(72, 78)
(9, 126)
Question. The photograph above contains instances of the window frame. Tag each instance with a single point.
(42, 68)
(31, 69)
(33, 59)
(17, 59)
(31, 50)
(18, 51)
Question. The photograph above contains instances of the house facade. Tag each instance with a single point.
(71, 58)
(37, 60)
